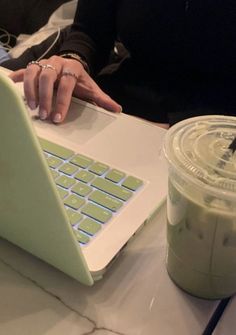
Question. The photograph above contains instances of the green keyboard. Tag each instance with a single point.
(92, 191)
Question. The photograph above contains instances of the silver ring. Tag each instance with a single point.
(70, 74)
(34, 62)
(48, 66)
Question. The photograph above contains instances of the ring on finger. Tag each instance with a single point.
(70, 74)
(34, 62)
(48, 66)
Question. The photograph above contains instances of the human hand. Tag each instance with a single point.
(69, 77)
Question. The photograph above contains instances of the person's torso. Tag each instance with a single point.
(191, 35)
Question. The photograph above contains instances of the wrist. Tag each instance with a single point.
(75, 56)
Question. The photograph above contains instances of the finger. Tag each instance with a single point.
(86, 89)
(31, 85)
(17, 76)
(46, 81)
(105, 101)
(64, 93)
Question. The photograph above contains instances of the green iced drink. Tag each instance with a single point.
(202, 246)
(201, 206)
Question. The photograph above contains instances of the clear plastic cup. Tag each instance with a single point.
(201, 205)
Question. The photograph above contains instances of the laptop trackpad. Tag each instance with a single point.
(83, 122)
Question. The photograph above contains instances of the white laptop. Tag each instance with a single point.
(74, 194)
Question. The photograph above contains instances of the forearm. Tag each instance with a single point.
(93, 32)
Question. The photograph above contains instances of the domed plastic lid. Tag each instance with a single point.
(203, 149)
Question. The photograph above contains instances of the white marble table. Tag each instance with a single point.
(136, 297)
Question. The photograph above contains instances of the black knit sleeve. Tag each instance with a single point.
(93, 32)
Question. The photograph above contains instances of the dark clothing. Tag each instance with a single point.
(161, 36)
(182, 54)
(26, 16)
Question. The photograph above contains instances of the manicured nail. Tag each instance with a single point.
(43, 114)
(32, 104)
(57, 118)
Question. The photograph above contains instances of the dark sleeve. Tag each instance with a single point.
(93, 32)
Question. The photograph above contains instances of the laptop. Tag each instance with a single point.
(74, 194)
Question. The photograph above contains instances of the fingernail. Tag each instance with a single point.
(43, 114)
(57, 118)
(121, 109)
(32, 104)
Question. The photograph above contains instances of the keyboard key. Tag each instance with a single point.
(81, 189)
(82, 238)
(54, 173)
(108, 187)
(63, 193)
(74, 201)
(81, 161)
(115, 175)
(54, 162)
(74, 217)
(97, 213)
(132, 183)
(99, 168)
(55, 149)
(65, 181)
(84, 176)
(68, 169)
(106, 200)
(89, 226)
